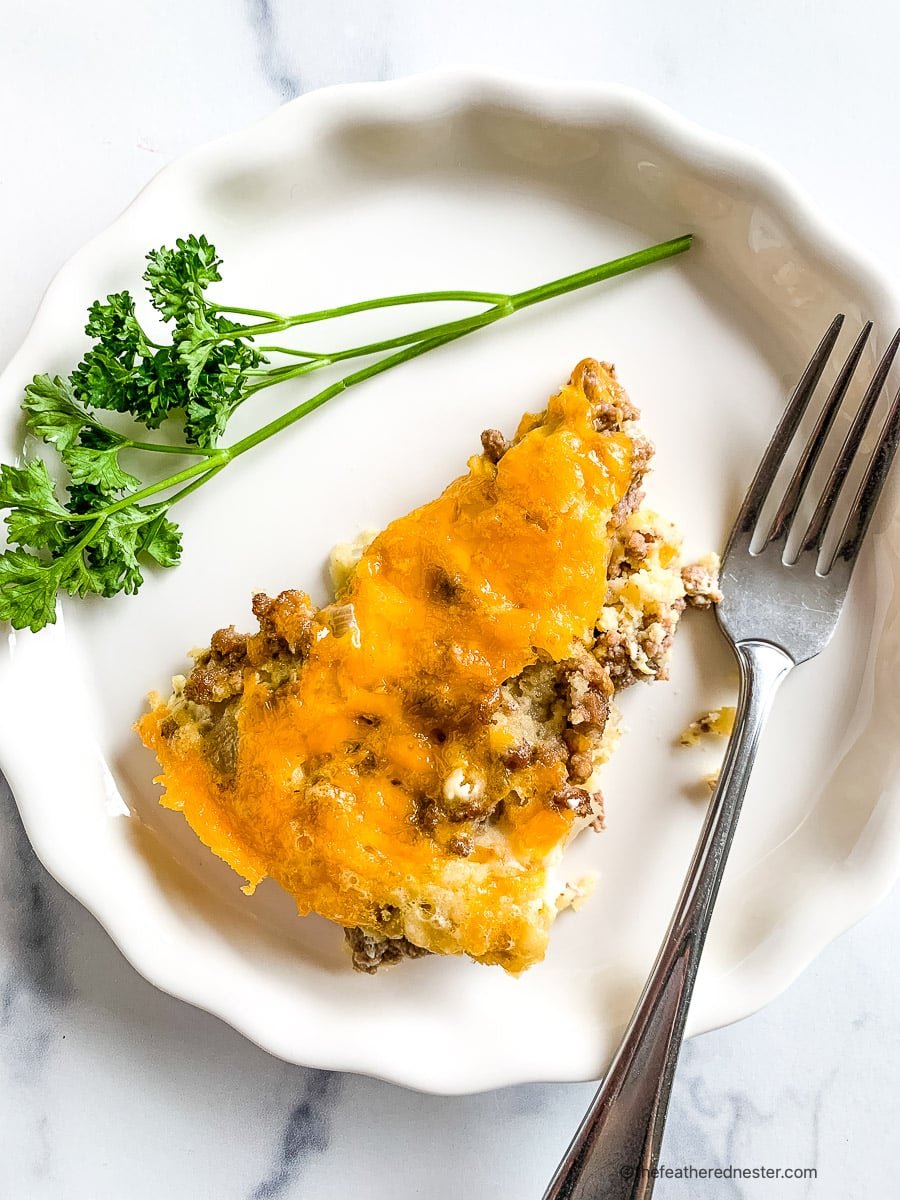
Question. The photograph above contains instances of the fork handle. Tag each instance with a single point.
(615, 1152)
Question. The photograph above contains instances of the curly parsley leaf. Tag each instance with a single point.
(52, 412)
(127, 536)
(35, 517)
(113, 374)
(85, 498)
(103, 559)
(113, 554)
(29, 486)
(29, 584)
(201, 373)
(196, 342)
(160, 538)
(116, 325)
(76, 576)
(216, 361)
(39, 530)
(176, 279)
(126, 382)
(28, 589)
(99, 468)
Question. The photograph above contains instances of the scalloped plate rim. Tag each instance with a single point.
(458, 88)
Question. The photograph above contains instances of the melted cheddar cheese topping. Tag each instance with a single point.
(392, 706)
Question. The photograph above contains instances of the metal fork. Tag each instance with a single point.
(776, 614)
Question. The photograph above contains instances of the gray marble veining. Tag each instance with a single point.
(35, 985)
(111, 1089)
(276, 67)
(36, 935)
(306, 1133)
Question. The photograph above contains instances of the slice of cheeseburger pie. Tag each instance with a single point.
(411, 760)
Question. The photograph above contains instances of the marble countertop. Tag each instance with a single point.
(110, 1089)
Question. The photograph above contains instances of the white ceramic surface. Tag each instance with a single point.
(456, 180)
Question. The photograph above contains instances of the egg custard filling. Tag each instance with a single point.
(411, 760)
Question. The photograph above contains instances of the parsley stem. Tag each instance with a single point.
(263, 313)
(80, 545)
(164, 448)
(278, 324)
(507, 306)
(439, 335)
(196, 483)
(77, 550)
(163, 485)
(290, 350)
(426, 339)
(314, 402)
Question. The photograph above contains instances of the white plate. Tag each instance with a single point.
(455, 180)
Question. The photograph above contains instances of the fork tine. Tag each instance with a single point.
(815, 534)
(784, 434)
(869, 490)
(787, 509)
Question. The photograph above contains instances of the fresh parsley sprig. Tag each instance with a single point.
(112, 524)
